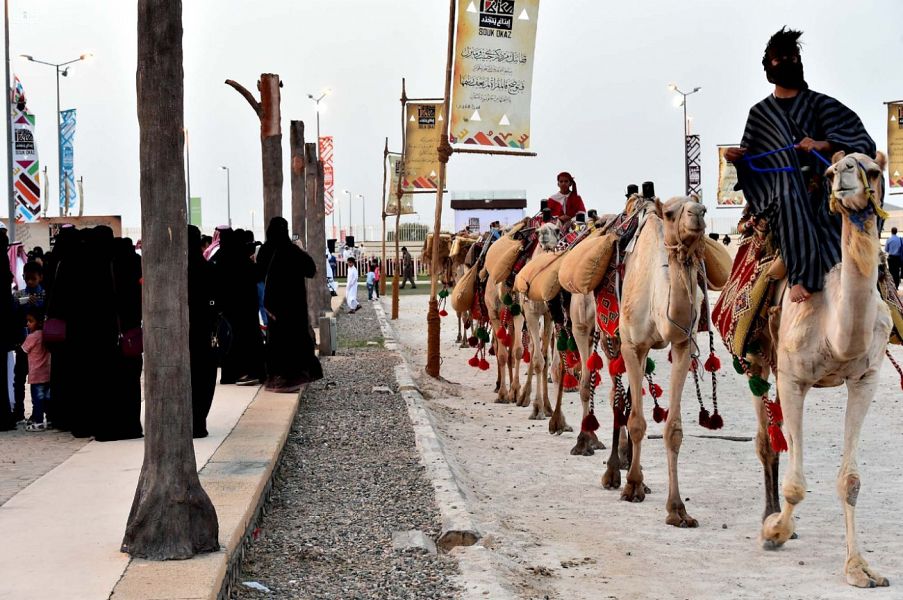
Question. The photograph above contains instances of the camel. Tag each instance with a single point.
(660, 305)
(837, 336)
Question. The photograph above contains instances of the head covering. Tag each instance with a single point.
(214, 246)
(571, 177)
(784, 46)
(277, 232)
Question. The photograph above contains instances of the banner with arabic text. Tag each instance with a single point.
(67, 169)
(727, 179)
(26, 167)
(423, 134)
(493, 73)
(407, 200)
(895, 145)
(328, 174)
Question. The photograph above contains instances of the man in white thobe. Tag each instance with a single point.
(351, 287)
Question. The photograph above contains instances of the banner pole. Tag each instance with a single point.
(382, 268)
(433, 356)
(11, 201)
(398, 265)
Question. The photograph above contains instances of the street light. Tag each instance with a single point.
(317, 100)
(229, 197)
(351, 227)
(363, 216)
(59, 121)
(681, 100)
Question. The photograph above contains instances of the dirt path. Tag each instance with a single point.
(555, 532)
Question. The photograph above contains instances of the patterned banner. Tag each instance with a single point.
(727, 179)
(26, 167)
(67, 150)
(407, 200)
(895, 144)
(494, 73)
(423, 134)
(694, 170)
(328, 174)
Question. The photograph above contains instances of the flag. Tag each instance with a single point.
(407, 200)
(494, 73)
(328, 174)
(67, 169)
(26, 167)
(423, 133)
(895, 144)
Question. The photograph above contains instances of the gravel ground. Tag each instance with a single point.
(350, 476)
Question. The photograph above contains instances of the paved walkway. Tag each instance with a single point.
(62, 528)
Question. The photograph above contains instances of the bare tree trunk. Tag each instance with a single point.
(316, 233)
(172, 516)
(299, 203)
(268, 111)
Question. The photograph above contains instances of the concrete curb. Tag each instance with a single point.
(460, 532)
(238, 478)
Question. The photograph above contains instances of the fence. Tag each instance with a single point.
(421, 267)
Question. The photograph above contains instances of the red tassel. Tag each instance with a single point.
(617, 367)
(656, 391)
(704, 418)
(778, 443)
(620, 419)
(473, 342)
(474, 361)
(712, 364)
(659, 414)
(571, 359)
(590, 423)
(491, 350)
(594, 362)
(716, 422)
(694, 365)
(504, 315)
(443, 313)
(777, 415)
(505, 340)
(597, 380)
(484, 364)
(501, 332)
(570, 382)
(527, 356)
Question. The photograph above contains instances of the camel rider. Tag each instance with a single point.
(790, 195)
(566, 203)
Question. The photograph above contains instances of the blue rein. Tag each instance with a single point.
(756, 169)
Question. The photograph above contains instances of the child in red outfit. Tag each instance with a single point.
(566, 203)
(38, 370)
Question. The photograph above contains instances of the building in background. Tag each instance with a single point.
(476, 210)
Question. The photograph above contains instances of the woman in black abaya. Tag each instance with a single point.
(290, 357)
(201, 318)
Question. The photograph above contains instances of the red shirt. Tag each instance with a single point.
(571, 204)
(38, 358)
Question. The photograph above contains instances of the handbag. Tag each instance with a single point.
(54, 331)
(131, 341)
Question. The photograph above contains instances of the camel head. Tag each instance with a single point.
(548, 235)
(856, 181)
(684, 224)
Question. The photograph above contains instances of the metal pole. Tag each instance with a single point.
(59, 136)
(363, 216)
(11, 202)
(686, 155)
(229, 198)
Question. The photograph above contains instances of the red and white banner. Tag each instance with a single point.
(328, 176)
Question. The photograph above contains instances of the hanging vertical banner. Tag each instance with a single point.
(67, 151)
(26, 168)
(407, 200)
(328, 174)
(423, 133)
(493, 73)
(895, 145)
(728, 197)
(694, 170)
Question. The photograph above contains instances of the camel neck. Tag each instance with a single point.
(858, 285)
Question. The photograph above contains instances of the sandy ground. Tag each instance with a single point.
(556, 533)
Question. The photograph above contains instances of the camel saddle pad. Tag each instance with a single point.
(741, 308)
(717, 264)
(501, 256)
(584, 265)
(444, 245)
(462, 294)
(889, 294)
(535, 279)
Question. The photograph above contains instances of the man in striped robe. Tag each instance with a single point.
(795, 201)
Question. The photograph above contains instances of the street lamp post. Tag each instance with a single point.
(363, 216)
(683, 102)
(350, 226)
(228, 197)
(317, 100)
(59, 121)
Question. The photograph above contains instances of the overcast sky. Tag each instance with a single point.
(601, 107)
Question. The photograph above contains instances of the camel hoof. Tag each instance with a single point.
(859, 574)
(633, 492)
(584, 445)
(776, 531)
(501, 398)
(594, 442)
(557, 424)
(680, 518)
(611, 480)
(539, 415)
(523, 397)
(498, 386)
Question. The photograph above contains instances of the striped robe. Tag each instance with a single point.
(795, 203)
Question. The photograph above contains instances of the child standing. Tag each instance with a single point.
(376, 275)
(351, 287)
(38, 370)
(371, 282)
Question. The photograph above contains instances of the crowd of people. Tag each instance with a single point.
(72, 326)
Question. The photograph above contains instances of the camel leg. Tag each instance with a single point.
(587, 441)
(558, 424)
(458, 339)
(778, 527)
(674, 435)
(860, 394)
(501, 361)
(515, 353)
(635, 360)
(549, 355)
(767, 456)
(538, 365)
(523, 398)
(611, 479)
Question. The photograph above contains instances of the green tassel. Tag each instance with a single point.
(443, 294)
(515, 310)
(758, 386)
(754, 347)
(507, 300)
(650, 366)
(482, 334)
(738, 366)
(572, 344)
(562, 343)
